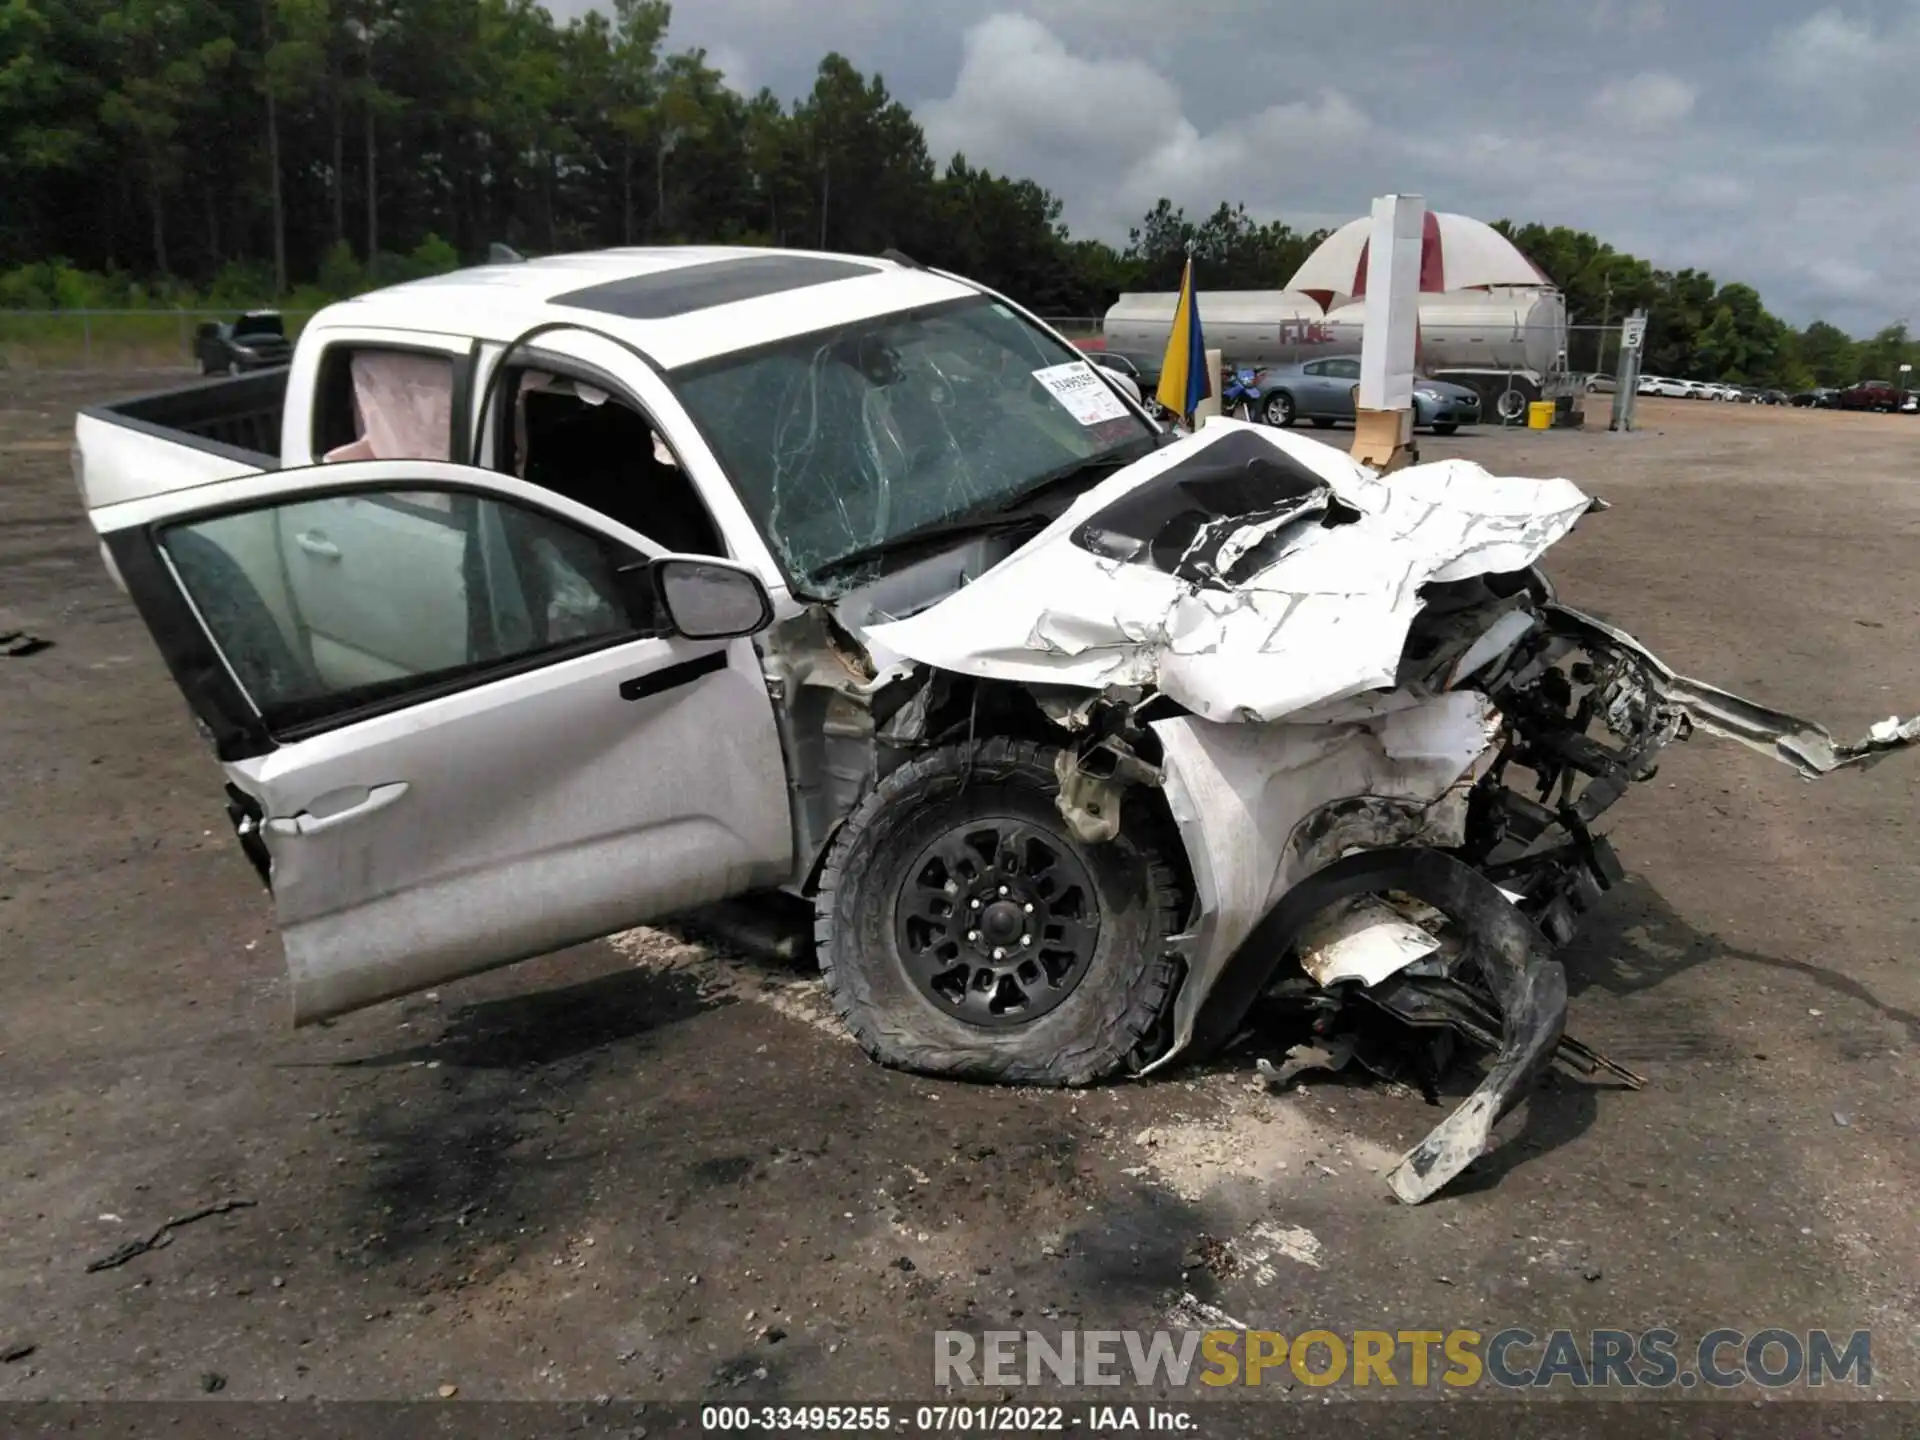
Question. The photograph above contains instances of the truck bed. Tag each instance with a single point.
(173, 439)
(233, 414)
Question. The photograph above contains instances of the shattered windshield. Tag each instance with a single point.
(849, 439)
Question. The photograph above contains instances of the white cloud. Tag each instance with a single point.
(1848, 67)
(1825, 51)
(1203, 168)
(1021, 95)
(1644, 103)
(1112, 133)
(1774, 142)
(1842, 278)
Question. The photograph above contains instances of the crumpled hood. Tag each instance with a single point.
(1245, 572)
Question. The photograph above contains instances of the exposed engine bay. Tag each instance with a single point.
(1346, 736)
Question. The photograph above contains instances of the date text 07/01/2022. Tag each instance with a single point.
(942, 1419)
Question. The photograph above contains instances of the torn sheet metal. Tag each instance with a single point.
(1364, 939)
(1245, 572)
(1808, 747)
(1258, 807)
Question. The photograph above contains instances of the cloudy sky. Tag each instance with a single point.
(1773, 141)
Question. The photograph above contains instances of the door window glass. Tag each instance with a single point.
(321, 606)
(376, 404)
(576, 440)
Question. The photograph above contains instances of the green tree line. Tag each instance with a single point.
(1699, 328)
(235, 151)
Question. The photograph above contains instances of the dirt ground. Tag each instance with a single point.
(643, 1168)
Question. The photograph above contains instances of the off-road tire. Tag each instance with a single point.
(1096, 1030)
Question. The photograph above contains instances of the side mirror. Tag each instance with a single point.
(710, 599)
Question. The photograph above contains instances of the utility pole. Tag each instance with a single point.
(1606, 318)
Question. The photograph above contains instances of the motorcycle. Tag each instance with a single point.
(1239, 397)
(1240, 394)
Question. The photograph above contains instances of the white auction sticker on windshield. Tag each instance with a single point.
(1087, 397)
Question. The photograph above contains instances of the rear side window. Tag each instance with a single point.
(329, 605)
(373, 403)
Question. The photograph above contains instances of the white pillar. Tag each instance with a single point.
(1384, 406)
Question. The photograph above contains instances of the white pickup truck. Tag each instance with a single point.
(543, 599)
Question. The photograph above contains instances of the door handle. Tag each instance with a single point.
(673, 676)
(337, 808)
(314, 543)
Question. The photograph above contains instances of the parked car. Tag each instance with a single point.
(1879, 395)
(1663, 385)
(1322, 392)
(1599, 384)
(1820, 398)
(571, 594)
(1145, 369)
(1118, 364)
(255, 341)
(1121, 371)
(1142, 371)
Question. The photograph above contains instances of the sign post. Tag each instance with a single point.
(1626, 376)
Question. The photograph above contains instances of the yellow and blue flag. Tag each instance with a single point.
(1184, 381)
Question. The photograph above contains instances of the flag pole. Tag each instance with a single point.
(1184, 378)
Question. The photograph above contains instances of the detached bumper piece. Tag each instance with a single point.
(1681, 704)
(1504, 968)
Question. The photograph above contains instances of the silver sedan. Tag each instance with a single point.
(1322, 391)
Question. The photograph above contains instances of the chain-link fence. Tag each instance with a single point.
(1076, 327)
(1506, 361)
(110, 339)
(1507, 364)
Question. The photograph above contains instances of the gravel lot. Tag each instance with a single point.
(642, 1168)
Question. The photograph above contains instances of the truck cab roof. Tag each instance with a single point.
(678, 305)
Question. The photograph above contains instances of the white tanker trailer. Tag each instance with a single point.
(1507, 342)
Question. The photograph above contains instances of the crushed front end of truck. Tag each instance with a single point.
(1347, 709)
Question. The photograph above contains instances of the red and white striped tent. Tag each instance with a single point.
(1457, 252)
